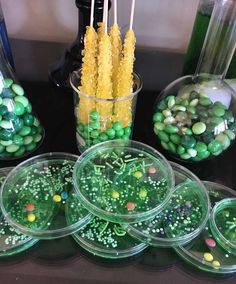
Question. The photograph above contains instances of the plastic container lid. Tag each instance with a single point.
(108, 240)
(123, 181)
(182, 219)
(223, 224)
(204, 252)
(38, 197)
(11, 241)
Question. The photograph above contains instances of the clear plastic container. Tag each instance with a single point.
(11, 241)
(123, 181)
(38, 197)
(99, 120)
(108, 240)
(183, 218)
(223, 224)
(204, 252)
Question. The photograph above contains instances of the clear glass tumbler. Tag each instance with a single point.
(98, 119)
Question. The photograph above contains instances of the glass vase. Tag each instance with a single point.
(194, 116)
(99, 120)
(20, 130)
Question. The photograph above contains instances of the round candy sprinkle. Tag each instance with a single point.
(30, 207)
(31, 217)
(216, 263)
(57, 198)
(64, 195)
(143, 193)
(152, 170)
(210, 242)
(138, 174)
(115, 194)
(130, 206)
(208, 256)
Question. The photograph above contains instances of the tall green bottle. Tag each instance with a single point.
(200, 27)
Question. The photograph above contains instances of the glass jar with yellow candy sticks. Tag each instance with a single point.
(99, 119)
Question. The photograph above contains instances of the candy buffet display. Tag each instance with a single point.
(123, 181)
(38, 197)
(106, 87)
(20, 130)
(205, 252)
(109, 240)
(11, 241)
(194, 116)
(182, 219)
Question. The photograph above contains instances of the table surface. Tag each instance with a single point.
(62, 260)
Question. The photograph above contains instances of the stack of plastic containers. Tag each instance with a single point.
(116, 199)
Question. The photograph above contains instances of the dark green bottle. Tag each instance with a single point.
(200, 27)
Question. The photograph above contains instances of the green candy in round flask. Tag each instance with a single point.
(20, 130)
(194, 116)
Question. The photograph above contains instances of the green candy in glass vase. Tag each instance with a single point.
(194, 117)
(20, 130)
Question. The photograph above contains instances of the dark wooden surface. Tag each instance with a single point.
(62, 260)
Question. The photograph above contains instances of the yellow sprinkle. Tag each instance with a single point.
(208, 256)
(57, 198)
(138, 174)
(216, 263)
(31, 217)
(115, 194)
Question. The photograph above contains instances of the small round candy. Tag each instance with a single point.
(103, 137)
(120, 133)
(127, 130)
(95, 125)
(30, 207)
(152, 170)
(138, 174)
(143, 193)
(94, 115)
(57, 198)
(117, 126)
(21, 99)
(31, 217)
(28, 119)
(17, 89)
(64, 195)
(111, 132)
(130, 206)
(216, 263)
(115, 194)
(208, 256)
(199, 128)
(210, 242)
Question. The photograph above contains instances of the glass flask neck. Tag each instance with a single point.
(206, 6)
(220, 41)
(84, 7)
(5, 67)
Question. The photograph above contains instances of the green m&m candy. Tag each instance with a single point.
(19, 108)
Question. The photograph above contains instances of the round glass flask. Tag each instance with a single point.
(194, 117)
(20, 130)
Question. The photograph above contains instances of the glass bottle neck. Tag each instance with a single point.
(220, 41)
(84, 7)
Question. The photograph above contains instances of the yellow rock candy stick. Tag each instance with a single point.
(88, 75)
(123, 109)
(104, 83)
(101, 30)
(116, 43)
